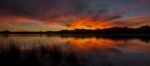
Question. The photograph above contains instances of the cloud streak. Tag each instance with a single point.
(64, 14)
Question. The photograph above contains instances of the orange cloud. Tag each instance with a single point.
(133, 21)
(72, 22)
(89, 23)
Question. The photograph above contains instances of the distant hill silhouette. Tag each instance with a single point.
(113, 30)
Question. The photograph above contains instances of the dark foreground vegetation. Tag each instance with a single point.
(114, 30)
(13, 56)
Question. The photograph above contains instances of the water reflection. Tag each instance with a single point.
(43, 50)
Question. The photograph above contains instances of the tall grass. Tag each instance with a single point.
(41, 56)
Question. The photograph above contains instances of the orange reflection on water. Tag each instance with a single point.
(88, 44)
(103, 44)
(73, 43)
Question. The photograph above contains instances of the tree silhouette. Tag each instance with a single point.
(113, 30)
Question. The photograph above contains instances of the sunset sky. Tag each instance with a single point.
(43, 15)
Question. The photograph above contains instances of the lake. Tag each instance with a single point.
(70, 50)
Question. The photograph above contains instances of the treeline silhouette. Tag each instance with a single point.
(113, 30)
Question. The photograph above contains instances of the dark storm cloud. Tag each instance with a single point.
(52, 9)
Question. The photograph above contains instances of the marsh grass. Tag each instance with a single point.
(12, 56)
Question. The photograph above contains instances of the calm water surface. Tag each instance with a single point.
(53, 50)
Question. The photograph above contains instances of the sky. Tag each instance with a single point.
(54, 15)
